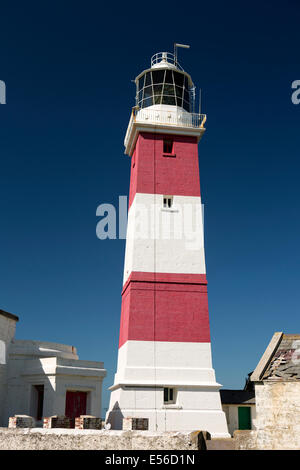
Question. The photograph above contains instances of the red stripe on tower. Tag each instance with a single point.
(164, 307)
(154, 171)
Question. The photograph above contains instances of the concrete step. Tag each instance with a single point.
(220, 444)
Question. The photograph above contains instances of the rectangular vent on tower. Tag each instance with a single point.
(169, 396)
(168, 148)
(167, 202)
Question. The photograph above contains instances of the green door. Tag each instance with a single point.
(244, 417)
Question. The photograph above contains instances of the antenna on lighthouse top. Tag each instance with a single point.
(183, 46)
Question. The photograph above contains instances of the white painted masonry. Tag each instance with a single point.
(164, 240)
(148, 366)
(7, 332)
(168, 363)
(164, 119)
(232, 416)
(186, 414)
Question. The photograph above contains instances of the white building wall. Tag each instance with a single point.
(29, 365)
(7, 333)
(232, 416)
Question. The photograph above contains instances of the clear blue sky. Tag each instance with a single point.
(68, 68)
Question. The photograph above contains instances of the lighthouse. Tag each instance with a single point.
(164, 371)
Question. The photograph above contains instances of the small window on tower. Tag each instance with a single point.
(168, 146)
(167, 202)
(169, 395)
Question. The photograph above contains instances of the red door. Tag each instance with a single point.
(75, 405)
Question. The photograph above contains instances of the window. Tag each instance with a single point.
(168, 146)
(167, 202)
(167, 87)
(169, 395)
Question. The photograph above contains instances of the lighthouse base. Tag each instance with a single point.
(147, 369)
(169, 417)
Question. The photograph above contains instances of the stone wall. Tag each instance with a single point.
(278, 414)
(245, 440)
(277, 418)
(73, 439)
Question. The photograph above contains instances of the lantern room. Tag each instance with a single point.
(165, 83)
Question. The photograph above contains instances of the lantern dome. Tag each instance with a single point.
(165, 83)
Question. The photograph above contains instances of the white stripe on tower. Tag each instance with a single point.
(164, 240)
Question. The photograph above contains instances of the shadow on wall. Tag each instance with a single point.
(32, 395)
(115, 417)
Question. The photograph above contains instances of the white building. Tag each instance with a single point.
(276, 380)
(239, 408)
(42, 379)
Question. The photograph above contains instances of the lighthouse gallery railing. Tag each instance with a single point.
(165, 117)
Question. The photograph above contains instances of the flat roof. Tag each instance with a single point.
(237, 397)
(9, 315)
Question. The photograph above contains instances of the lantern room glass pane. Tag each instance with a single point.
(157, 99)
(148, 80)
(158, 76)
(141, 83)
(186, 106)
(147, 91)
(157, 89)
(178, 78)
(169, 100)
(169, 89)
(169, 76)
(147, 102)
(179, 91)
(186, 96)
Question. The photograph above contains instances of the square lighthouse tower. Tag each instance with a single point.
(164, 370)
